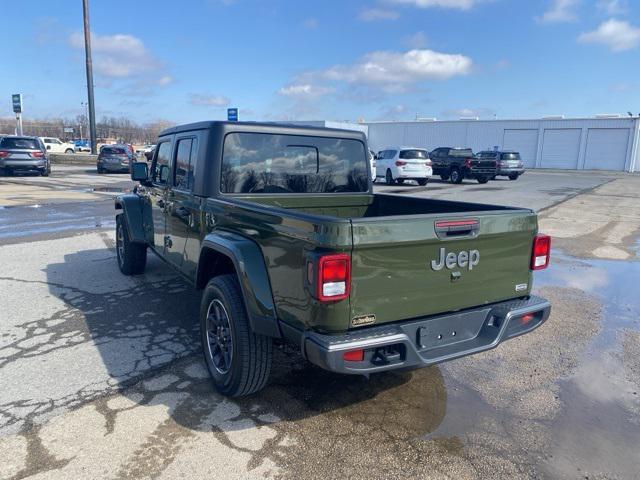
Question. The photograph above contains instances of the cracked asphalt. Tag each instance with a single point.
(101, 377)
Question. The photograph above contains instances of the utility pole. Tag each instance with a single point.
(89, 63)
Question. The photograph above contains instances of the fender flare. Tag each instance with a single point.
(132, 208)
(251, 269)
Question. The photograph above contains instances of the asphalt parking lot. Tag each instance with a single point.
(102, 378)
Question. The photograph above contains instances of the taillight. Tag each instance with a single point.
(354, 355)
(541, 253)
(467, 162)
(4, 154)
(334, 277)
(428, 163)
(400, 163)
(37, 154)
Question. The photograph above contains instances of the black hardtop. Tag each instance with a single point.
(223, 128)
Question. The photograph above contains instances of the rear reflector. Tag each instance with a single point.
(541, 252)
(334, 277)
(4, 154)
(527, 318)
(354, 356)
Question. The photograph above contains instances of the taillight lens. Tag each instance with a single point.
(334, 277)
(4, 154)
(541, 253)
(467, 162)
(37, 154)
(428, 163)
(400, 163)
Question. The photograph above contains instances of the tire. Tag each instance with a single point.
(132, 257)
(456, 176)
(238, 360)
(100, 171)
(68, 150)
(513, 176)
(422, 181)
(482, 179)
(388, 177)
(45, 173)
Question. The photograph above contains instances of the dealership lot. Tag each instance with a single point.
(102, 375)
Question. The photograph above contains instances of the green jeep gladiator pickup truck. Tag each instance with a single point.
(279, 225)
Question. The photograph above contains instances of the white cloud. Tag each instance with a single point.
(203, 100)
(304, 90)
(468, 112)
(618, 35)
(613, 7)
(119, 55)
(560, 11)
(457, 4)
(417, 40)
(395, 69)
(374, 14)
(165, 80)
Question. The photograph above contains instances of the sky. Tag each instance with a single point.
(351, 60)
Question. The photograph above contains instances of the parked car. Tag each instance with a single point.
(509, 162)
(114, 158)
(456, 164)
(55, 145)
(281, 230)
(372, 161)
(144, 149)
(397, 164)
(82, 146)
(23, 154)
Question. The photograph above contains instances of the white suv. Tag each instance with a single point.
(55, 145)
(404, 163)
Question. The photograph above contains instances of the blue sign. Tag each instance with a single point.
(16, 100)
(232, 114)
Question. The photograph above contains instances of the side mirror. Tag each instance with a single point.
(48, 147)
(139, 171)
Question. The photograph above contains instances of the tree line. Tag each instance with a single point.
(120, 129)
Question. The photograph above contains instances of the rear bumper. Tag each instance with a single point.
(427, 341)
(509, 171)
(113, 167)
(39, 164)
(480, 173)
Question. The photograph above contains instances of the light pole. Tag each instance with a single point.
(85, 106)
(89, 65)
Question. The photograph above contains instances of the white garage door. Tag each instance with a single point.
(561, 148)
(524, 141)
(606, 148)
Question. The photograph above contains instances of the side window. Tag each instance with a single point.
(46, 140)
(185, 163)
(392, 153)
(160, 167)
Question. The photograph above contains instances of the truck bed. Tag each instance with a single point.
(398, 253)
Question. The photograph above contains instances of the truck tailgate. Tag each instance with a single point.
(400, 268)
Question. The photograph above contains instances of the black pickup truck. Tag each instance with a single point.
(280, 228)
(456, 164)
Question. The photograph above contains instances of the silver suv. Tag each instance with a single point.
(23, 154)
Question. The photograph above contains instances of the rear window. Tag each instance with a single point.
(461, 152)
(414, 154)
(113, 151)
(24, 143)
(270, 163)
(511, 156)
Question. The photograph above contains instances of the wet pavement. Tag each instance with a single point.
(102, 378)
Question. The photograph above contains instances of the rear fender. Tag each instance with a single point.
(249, 265)
(132, 207)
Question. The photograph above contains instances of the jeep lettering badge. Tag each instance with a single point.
(453, 260)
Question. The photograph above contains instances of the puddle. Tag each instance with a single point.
(585, 420)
